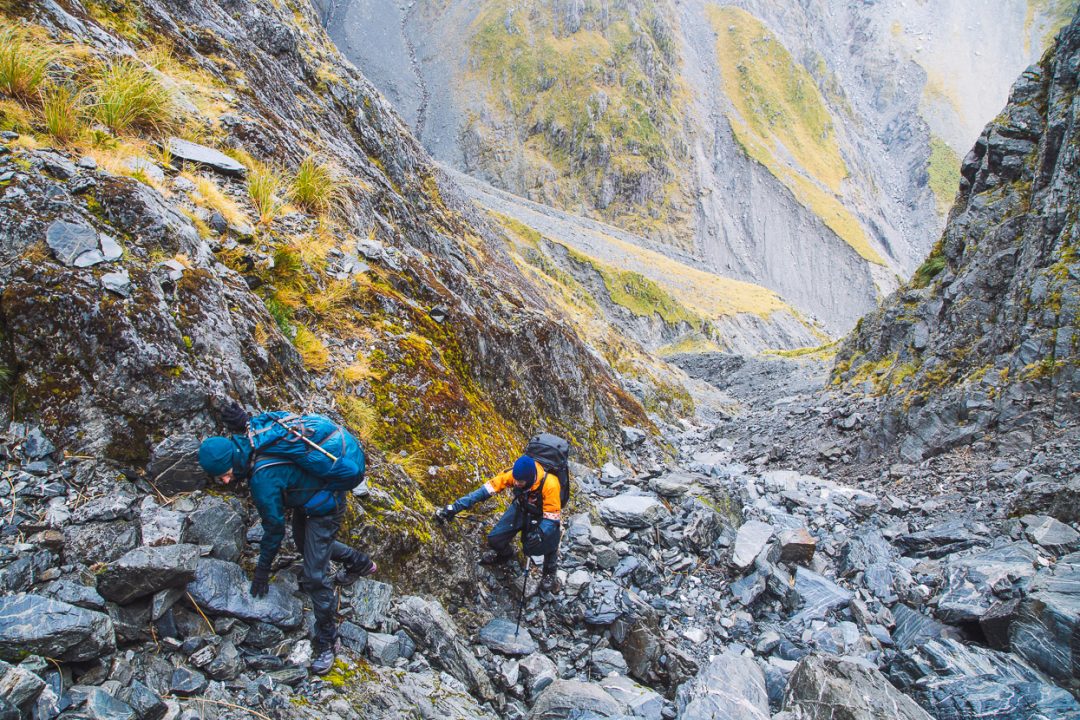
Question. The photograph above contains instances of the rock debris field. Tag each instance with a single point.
(712, 586)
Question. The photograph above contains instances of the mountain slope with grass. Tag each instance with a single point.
(981, 342)
(810, 150)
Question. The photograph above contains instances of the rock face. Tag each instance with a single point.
(30, 624)
(730, 686)
(982, 338)
(831, 688)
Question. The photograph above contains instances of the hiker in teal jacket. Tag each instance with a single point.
(286, 472)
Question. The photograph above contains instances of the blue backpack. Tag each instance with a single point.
(316, 444)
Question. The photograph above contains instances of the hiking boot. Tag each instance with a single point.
(490, 557)
(549, 583)
(323, 660)
(352, 573)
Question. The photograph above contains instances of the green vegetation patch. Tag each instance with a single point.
(944, 171)
(639, 294)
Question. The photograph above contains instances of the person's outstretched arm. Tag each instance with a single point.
(496, 485)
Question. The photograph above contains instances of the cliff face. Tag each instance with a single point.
(983, 340)
(809, 149)
(140, 284)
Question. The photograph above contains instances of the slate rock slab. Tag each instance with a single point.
(797, 546)
(185, 151)
(506, 637)
(174, 465)
(146, 703)
(632, 511)
(825, 687)
(370, 602)
(438, 634)
(637, 700)
(940, 540)
(913, 628)
(35, 625)
(731, 686)
(100, 705)
(216, 524)
(818, 596)
(954, 681)
(1046, 631)
(221, 588)
(69, 240)
(146, 570)
(974, 582)
(563, 697)
(751, 539)
(1050, 533)
(675, 484)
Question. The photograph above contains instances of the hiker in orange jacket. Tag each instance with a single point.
(536, 513)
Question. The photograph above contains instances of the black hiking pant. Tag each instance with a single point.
(314, 538)
(541, 539)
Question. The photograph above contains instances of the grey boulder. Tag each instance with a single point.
(751, 539)
(31, 624)
(216, 524)
(824, 687)
(146, 570)
(632, 511)
(731, 686)
(507, 638)
(563, 697)
(436, 632)
(221, 588)
(973, 583)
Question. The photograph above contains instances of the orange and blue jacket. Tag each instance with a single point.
(552, 501)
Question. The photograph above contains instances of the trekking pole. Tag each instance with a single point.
(309, 443)
(521, 607)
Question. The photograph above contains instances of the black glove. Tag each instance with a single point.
(260, 584)
(235, 418)
(445, 514)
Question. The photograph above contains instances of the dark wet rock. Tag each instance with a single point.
(100, 541)
(7, 710)
(263, 635)
(941, 540)
(1052, 534)
(216, 524)
(632, 511)
(100, 705)
(604, 606)
(289, 676)
(913, 628)
(227, 665)
(563, 697)
(222, 588)
(31, 624)
(18, 685)
(996, 622)
(383, 648)
(818, 596)
(1047, 497)
(825, 687)
(506, 637)
(146, 703)
(131, 623)
(189, 152)
(965, 682)
(796, 546)
(437, 634)
(186, 682)
(751, 539)
(37, 446)
(146, 570)
(731, 686)
(370, 602)
(174, 465)
(749, 588)
(20, 575)
(974, 582)
(1046, 631)
(865, 548)
(69, 240)
(353, 637)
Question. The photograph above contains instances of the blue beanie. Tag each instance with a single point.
(216, 455)
(525, 469)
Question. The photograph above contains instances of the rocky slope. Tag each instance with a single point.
(812, 170)
(983, 339)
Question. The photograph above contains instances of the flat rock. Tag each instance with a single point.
(825, 688)
(675, 484)
(190, 152)
(1052, 534)
(69, 240)
(35, 625)
(731, 686)
(913, 628)
(818, 596)
(563, 697)
(940, 540)
(100, 705)
(117, 282)
(505, 637)
(751, 539)
(632, 511)
(146, 570)
(222, 588)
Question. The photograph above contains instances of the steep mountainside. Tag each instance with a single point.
(786, 146)
(984, 337)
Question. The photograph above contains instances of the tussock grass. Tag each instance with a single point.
(359, 415)
(210, 196)
(316, 186)
(312, 350)
(268, 191)
(61, 109)
(126, 96)
(15, 116)
(24, 63)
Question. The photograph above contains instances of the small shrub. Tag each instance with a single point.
(928, 271)
(127, 95)
(24, 63)
(61, 107)
(267, 189)
(283, 316)
(315, 186)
